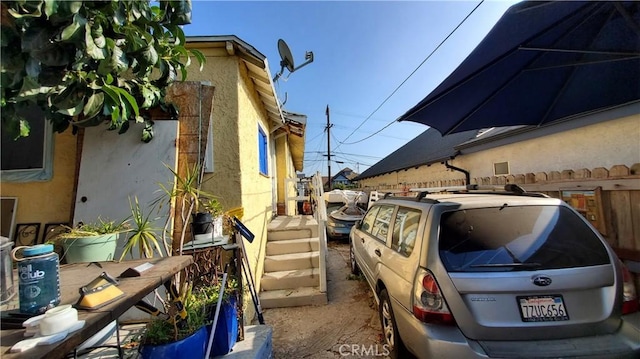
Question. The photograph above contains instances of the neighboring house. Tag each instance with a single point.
(229, 118)
(592, 162)
(344, 177)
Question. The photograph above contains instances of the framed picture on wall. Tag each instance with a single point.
(26, 234)
(53, 230)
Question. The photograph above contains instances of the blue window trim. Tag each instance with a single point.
(263, 152)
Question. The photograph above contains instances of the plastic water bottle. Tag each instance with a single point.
(38, 278)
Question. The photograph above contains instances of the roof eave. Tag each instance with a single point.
(257, 67)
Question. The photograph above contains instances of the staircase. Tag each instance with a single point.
(293, 266)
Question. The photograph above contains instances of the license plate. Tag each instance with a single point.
(542, 308)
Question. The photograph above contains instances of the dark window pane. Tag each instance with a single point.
(517, 238)
(26, 152)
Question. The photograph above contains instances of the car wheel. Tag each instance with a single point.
(328, 235)
(389, 329)
(352, 261)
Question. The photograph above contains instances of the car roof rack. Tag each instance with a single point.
(508, 189)
(409, 196)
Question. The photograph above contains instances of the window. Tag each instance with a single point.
(405, 229)
(380, 227)
(29, 158)
(369, 218)
(263, 153)
(208, 156)
(501, 168)
(537, 237)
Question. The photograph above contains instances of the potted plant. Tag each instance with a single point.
(143, 235)
(214, 209)
(92, 241)
(194, 206)
(188, 337)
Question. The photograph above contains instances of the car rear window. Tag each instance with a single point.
(517, 238)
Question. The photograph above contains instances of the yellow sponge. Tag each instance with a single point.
(99, 292)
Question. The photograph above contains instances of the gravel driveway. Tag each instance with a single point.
(347, 327)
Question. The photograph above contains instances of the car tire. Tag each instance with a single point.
(355, 270)
(392, 340)
(329, 237)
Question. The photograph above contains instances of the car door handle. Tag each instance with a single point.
(362, 239)
(378, 253)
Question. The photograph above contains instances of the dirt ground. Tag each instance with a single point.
(347, 327)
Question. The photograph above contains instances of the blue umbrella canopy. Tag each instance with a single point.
(541, 62)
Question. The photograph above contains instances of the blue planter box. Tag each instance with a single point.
(193, 346)
(226, 329)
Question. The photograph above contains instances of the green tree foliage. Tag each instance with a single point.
(90, 62)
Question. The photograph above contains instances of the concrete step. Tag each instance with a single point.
(281, 262)
(291, 227)
(295, 297)
(287, 246)
(273, 236)
(289, 279)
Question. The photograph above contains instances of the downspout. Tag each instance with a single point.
(466, 173)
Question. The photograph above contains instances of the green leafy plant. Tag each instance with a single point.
(212, 205)
(143, 235)
(91, 62)
(199, 304)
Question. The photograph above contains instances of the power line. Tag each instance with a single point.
(343, 153)
(401, 84)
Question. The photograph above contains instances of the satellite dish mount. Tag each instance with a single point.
(287, 59)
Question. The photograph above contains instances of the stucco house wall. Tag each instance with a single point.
(603, 144)
(48, 201)
(237, 116)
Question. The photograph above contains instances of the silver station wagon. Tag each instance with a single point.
(472, 273)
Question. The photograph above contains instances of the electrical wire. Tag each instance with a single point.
(401, 84)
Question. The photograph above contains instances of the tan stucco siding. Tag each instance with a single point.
(600, 145)
(421, 174)
(603, 144)
(236, 178)
(49, 201)
(286, 170)
(257, 195)
(222, 72)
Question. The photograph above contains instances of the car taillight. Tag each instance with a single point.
(630, 302)
(428, 303)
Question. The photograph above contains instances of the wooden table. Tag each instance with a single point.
(74, 276)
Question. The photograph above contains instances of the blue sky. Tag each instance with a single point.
(363, 51)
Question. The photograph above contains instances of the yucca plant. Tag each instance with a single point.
(143, 235)
(189, 198)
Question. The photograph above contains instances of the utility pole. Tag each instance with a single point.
(328, 149)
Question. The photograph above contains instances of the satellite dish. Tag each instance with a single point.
(287, 59)
(285, 55)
